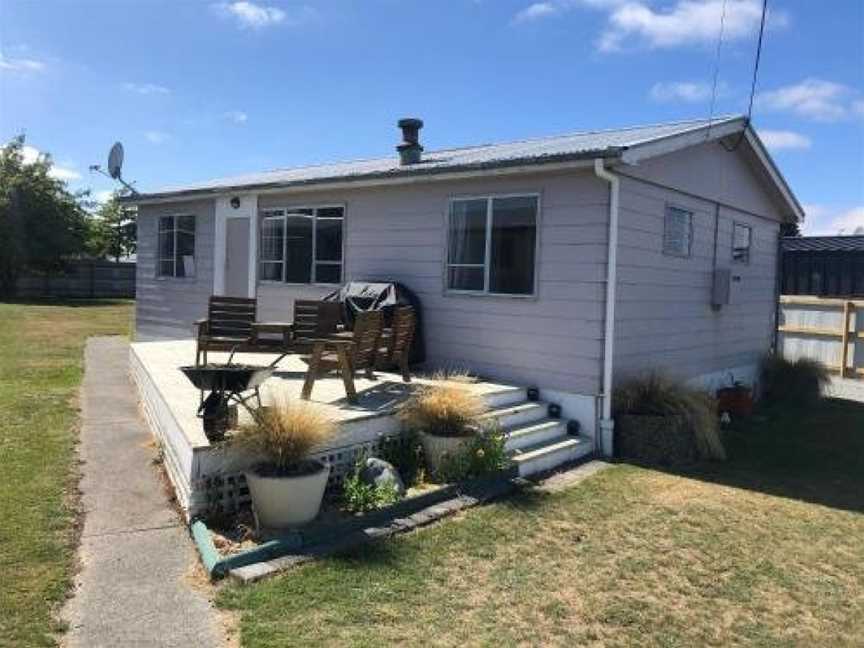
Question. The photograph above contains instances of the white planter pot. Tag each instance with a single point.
(282, 502)
(438, 449)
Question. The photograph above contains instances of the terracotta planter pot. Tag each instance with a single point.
(438, 449)
(665, 440)
(738, 401)
(282, 502)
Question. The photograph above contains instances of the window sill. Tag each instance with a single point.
(475, 294)
(272, 282)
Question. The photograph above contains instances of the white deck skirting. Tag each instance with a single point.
(204, 476)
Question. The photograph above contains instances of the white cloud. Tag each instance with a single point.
(688, 91)
(156, 137)
(249, 15)
(103, 195)
(536, 11)
(780, 140)
(858, 107)
(687, 22)
(146, 88)
(827, 221)
(21, 64)
(811, 98)
(683, 22)
(236, 116)
(31, 155)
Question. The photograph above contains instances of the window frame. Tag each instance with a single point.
(174, 230)
(667, 210)
(746, 260)
(282, 214)
(487, 266)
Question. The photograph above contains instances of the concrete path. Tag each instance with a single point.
(137, 584)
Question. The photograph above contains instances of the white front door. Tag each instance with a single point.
(237, 257)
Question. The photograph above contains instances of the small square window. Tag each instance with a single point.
(677, 232)
(742, 240)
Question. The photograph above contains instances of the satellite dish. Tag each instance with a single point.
(115, 160)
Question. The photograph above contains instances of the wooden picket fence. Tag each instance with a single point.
(826, 329)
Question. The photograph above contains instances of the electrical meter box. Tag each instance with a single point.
(721, 292)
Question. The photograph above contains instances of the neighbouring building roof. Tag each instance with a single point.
(628, 145)
(823, 244)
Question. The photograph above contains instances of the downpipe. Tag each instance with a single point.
(607, 424)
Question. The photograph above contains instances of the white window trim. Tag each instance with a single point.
(174, 229)
(669, 207)
(489, 198)
(283, 213)
(736, 224)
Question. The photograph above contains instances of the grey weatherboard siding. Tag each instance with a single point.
(664, 318)
(555, 339)
(398, 233)
(166, 307)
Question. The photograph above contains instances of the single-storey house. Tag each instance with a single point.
(561, 262)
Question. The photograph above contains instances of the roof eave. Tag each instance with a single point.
(407, 176)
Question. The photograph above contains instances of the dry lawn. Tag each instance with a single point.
(766, 550)
(40, 370)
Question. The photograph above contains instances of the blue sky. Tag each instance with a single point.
(197, 90)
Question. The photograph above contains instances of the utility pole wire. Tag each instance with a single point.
(755, 74)
(716, 69)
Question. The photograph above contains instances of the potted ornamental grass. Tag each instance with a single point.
(447, 416)
(286, 485)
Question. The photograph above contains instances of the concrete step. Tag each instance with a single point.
(524, 436)
(505, 396)
(551, 454)
(523, 413)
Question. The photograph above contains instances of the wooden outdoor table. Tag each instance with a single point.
(285, 329)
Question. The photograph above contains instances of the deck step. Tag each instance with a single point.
(505, 397)
(532, 434)
(523, 413)
(551, 454)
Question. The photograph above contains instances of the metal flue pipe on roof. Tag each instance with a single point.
(409, 149)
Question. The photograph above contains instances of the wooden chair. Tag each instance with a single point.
(346, 356)
(314, 320)
(228, 325)
(396, 341)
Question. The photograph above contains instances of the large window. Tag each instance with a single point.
(302, 245)
(176, 246)
(677, 231)
(742, 240)
(492, 243)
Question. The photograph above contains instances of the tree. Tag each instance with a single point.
(790, 229)
(41, 223)
(111, 230)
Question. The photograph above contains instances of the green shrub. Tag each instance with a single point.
(792, 382)
(405, 452)
(659, 395)
(483, 456)
(360, 497)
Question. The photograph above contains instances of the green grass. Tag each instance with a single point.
(766, 549)
(41, 354)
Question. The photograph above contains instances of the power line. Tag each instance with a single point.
(755, 75)
(716, 69)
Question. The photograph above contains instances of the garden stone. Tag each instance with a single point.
(378, 472)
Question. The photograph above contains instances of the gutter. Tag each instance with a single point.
(607, 425)
(384, 178)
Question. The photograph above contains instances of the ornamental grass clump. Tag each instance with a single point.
(795, 383)
(658, 395)
(284, 434)
(446, 408)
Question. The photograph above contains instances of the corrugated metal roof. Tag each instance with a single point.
(531, 151)
(823, 244)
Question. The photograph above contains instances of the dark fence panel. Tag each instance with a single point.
(829, 274)
(84, 279)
